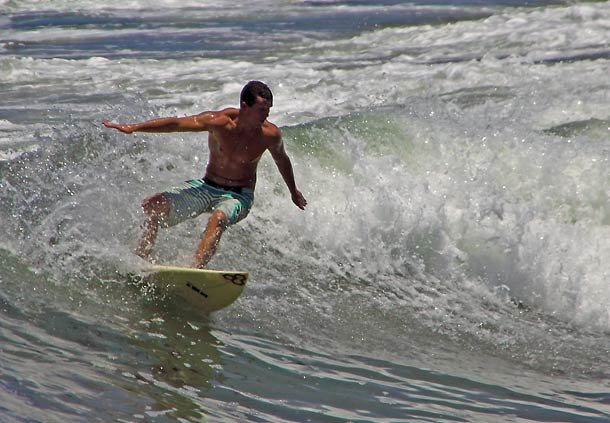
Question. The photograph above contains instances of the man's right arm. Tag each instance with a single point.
(201, 122)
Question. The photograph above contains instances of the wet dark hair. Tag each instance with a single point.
(255, 89)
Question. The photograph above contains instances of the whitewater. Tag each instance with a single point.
(451, 264)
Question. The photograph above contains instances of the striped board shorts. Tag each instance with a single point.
(199, 196)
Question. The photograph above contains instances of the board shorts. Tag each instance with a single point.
(199, 196)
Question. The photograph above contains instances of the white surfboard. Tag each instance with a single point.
(209, 290)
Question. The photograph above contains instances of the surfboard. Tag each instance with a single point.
(208, 290)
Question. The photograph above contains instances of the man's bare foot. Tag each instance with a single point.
(144, 254)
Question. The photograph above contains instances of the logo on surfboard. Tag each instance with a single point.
(236, 279)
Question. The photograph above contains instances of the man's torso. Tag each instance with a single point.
(235, 153)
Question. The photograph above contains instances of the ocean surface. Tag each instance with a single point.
(453, 264)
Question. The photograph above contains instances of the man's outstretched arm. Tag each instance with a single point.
(201, 122)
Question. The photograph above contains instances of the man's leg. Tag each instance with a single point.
(156, 208)
(217, 224)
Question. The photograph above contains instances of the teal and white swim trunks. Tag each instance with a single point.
(199, 196)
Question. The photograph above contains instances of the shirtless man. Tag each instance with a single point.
(237, 140)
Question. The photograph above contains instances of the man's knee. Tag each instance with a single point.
(219, 218)
(156, 205)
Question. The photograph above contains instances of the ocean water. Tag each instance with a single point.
(452, 264)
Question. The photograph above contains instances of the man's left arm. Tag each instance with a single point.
(282, 161)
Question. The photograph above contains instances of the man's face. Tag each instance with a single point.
(259, 111)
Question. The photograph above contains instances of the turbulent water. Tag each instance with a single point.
(452, 264)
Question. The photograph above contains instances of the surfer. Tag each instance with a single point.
(237, 139)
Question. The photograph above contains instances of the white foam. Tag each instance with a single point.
(6, 125)
(209, 7)
(470, 189)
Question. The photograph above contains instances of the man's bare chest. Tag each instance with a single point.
(238, 148)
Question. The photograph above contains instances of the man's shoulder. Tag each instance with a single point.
(218, 118)
(271, 130)
(229, 111)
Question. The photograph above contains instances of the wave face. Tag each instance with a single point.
(450, 264)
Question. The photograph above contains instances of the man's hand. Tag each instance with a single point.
(127, 129)
(299, 200)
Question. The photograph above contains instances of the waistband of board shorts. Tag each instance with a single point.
(237, 190)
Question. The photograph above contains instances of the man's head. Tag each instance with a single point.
(254, 89)
(256, 100)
